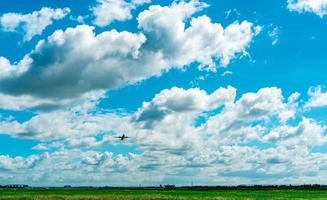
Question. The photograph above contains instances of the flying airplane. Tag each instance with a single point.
(122, 137)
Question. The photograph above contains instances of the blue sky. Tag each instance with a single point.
(214, 92)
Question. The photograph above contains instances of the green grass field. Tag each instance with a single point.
(93, 194)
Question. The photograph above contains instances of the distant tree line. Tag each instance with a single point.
(172, 187)
(239, 187)
(258, 187)
(14, 186)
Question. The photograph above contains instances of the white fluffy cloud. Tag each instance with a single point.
(33, 23)
(61, 124)
(318, 98)
(107, 11)
(203, 41)
(319, 7)
(8, 163)
(74, 62)
(248, 118)
(168, 112)
(227, 164)
(179, 135)
(22, 102)
(9, 70)
(179, 101)
(307, 133)
(170, 115)
(175, 144)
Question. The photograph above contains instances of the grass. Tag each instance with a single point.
(95, 194)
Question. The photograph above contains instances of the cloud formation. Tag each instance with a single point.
(318, 98)
(170, 113)
(18, 163)
(107, 11)
(33, 23)
(203, 41)
(77, 61)
(209, 135)
(307, 132)
(179, 101)
(178, 136)
(319, 7)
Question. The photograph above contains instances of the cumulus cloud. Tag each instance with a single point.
(318, 98)
(203, 41)
(307, 133)
(319, 7)
(77, 61)
(248, 118)
(61, 124)
(53, 168)
(33, 23)
(22, 102)
(169, 120)
(8, 163)
(180, 134)
(174, 144)
(232, 164)
(9, 70)
(180, 101)
(107, 11)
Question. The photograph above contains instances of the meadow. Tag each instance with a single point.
(178, 194)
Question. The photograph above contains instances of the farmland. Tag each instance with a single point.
(177, 194)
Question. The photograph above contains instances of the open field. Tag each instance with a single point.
(178, 194)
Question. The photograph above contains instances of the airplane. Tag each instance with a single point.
(122, 137)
